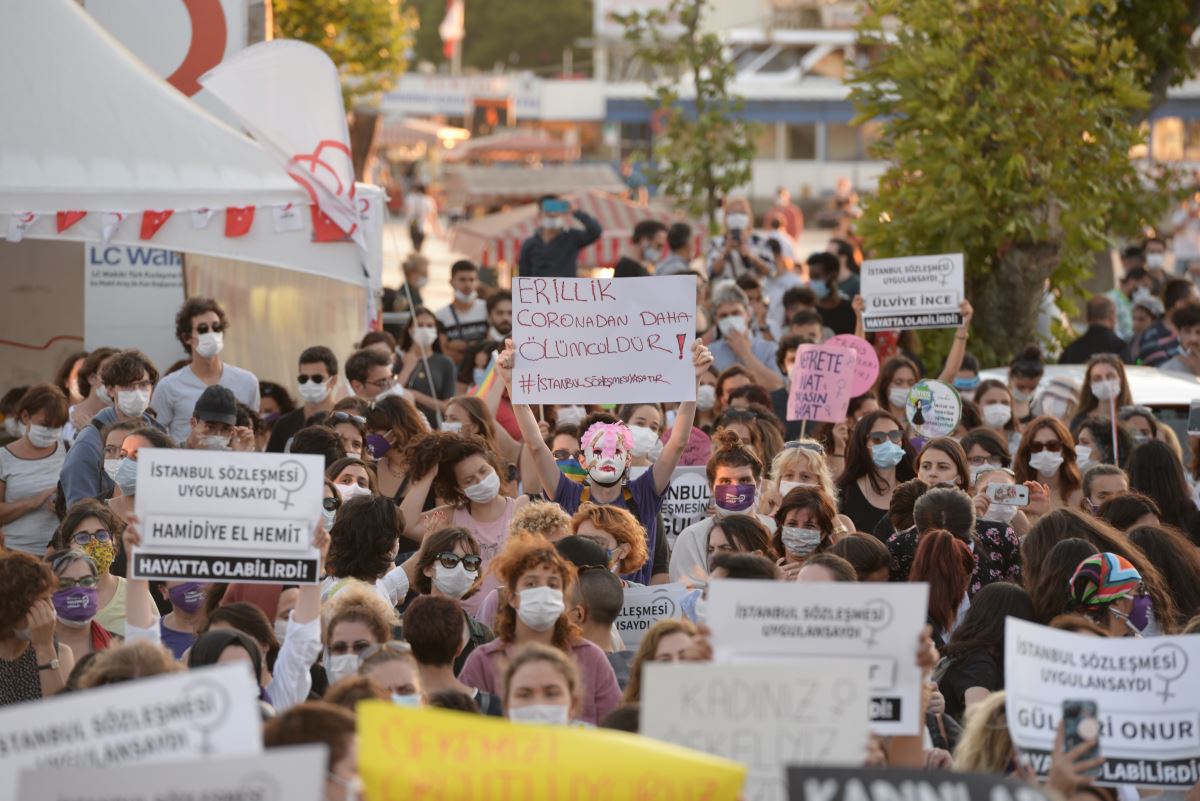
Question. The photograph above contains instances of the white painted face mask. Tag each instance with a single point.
(554, 714)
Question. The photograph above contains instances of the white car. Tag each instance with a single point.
(1167, 394)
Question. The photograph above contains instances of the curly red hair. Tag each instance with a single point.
(521, 554)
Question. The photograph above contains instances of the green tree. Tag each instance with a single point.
(521, 34)
(705, 151)
(1161, 31)
(1007, 126)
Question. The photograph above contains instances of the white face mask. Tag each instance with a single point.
(214, 442)
(484, 491)
(452, 581)
(210, 344)
(800, 541)
(451, 426)
(1001, 512)
(348, 491)
(997, 415)
(110, 468)
(43, 436)
(133, 402)
(706, 397)
(553, 223)
(898, 396)
(341, 666)
(734, 322)
(465, 297)
(1054, 406)
(571, 415)
(410, 700)
(1083, 457)
(787, 486)
(554, 714)
(737, 222)
(1155, 260)
(540, 607)
(281, 627)
(313, 391)
(644, 439)
(425, 335)
(1106, 389)
(1046, 463)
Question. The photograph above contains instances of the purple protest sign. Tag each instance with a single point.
(866, 369)
(822, 383)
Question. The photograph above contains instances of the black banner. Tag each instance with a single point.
(885, 784)
(913, 321)
(224, 568)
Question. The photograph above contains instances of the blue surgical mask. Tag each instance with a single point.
(819, 287)
(478, 374)
(966, 384)
(887, 455)
(126, 477)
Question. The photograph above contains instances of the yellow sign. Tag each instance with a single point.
(440, 755)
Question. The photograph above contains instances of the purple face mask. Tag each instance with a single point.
(77, 605)
(378, 445)
(1139, 614)
(734, 498)
(187, 598)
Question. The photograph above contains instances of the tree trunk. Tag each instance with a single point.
(364, 122)
(1007, 299)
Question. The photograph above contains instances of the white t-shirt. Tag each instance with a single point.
(175, 397)
(419, 208)
(471, 325)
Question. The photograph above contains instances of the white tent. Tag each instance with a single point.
(88, 127)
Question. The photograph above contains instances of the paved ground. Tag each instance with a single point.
(396, 246)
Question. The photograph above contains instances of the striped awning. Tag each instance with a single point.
(497, 238)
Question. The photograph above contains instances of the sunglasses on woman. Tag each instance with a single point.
(450, 561)
(807, 445)
(1038, 447)
(84, 537)
(342, 417)
(880, 437)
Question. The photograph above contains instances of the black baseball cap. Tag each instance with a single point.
(216, 405)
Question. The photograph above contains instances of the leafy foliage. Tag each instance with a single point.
(1161, 31)
(522, 34)
(366, 39)
(705, 151)
(1007, 125)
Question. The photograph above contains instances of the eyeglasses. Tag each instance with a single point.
(343, 417)
(393, 647)
(204, 328)
(316, 379)
(84, 537)
(70, 584)
(1038, 447)
(381, 383)
(880, 437)
(806, 444)
(450, 560)
(330, 504)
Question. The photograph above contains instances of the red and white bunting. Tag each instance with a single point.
(287, 218)
(152, 221)
(111, 221)
(18, 223)
(238, 221)
(65, 219)
(201, 218)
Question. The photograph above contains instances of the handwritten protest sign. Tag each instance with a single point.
(767, 716)
(876, 623)
(807, 783)
(933, 408)
(226, 516)
(421, 753)
(211, 711)
(1147, 693)
(866, 365)
(294, 774)
(685, 502)
(614, 340)
(822, 383)
(912, 292)
(645, 606)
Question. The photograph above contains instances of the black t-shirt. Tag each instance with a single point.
(973, 669)
(285, 428)
(840, 319)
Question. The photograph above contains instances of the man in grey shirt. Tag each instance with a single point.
(679, 245)
(200, 327)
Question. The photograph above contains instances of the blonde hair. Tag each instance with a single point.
(985, 746)
(360, 603)
(542, 518)
(812, 459)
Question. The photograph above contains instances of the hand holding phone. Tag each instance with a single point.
(1009, 494)
(1081, 724)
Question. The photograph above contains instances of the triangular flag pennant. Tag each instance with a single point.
(112, 221)
(152, 221)
(18, 224)
(68, 218)
(200, 218)
(238, 220)
(287, 218)
(324, 228)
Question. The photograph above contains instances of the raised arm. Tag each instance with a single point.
(543, 459)
(681, 432)
(860, 327)
(414, 502)
(764, 375)
(954, 358)
(591, 228)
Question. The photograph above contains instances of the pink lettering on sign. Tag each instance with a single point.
(822, 383)
(866, 369)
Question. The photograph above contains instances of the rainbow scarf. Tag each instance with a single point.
(485, 386)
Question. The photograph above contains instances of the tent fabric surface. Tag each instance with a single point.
(498, 237)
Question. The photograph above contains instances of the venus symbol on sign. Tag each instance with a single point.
(292, 486)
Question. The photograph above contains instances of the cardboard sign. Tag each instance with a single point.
(1147, 693)
(822, 383)
(933, 408)
(645, 606)
(866, 365)
(604, 340)
(685, 502)
(206, 712)
(888, 784)
(405, 754)
(912, 292)
(294, 774)
(228, 516)
(768, 716)
(876, 623)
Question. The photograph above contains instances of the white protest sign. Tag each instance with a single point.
(686, 500)
(1147, 694)
(912, 292)
(878, 624)
(645, 606)
(766, 715)
(228, 516)
(206, 712)
(294, 774)
(604, 340)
